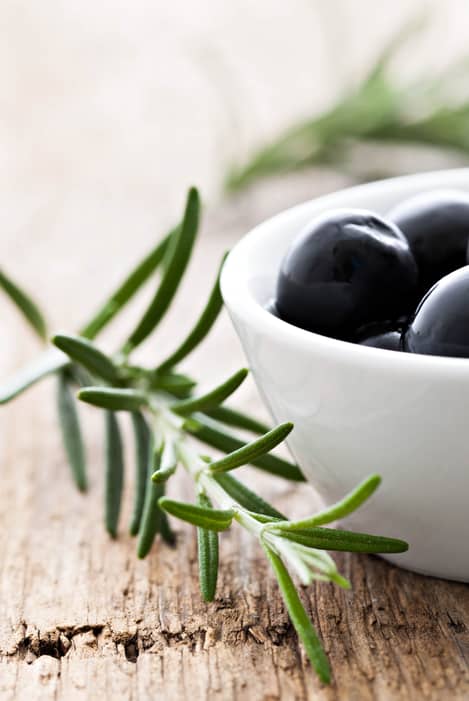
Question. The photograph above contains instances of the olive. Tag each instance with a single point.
(436, 225)
(385, 335)
(391, 340)
(347, 268)
(440, 325)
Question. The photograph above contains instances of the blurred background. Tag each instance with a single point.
(110, 109)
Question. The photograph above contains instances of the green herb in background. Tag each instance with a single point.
(166, 417)
(379, 110)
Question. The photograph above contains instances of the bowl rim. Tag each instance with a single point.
(241, 301)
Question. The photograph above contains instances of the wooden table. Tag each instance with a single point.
(82, 618)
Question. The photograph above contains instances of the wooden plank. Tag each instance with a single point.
(82, 618)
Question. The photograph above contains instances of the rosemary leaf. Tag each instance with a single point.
(154, 519)
(335, 539)
(168, 464)
(207, 546)
(174, 383)
(163, 475)
(263, 518)
(114, 480)
(249, 452)
(112, 398)
(211, 433)
(175, 262)
(299, 617)
(341, 509)
(25, 304)
(164, 528)
(47, 363)
(85, 353)
(142, 459)
(71, 432)
(202, 327)
(240, 493)
(151, 519)
(127, 289)
(211, 519)
(213, 398)
(231, 417)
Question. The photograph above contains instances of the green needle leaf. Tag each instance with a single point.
(211, 519)
(142, 459)
(299, 617)
(202, 327)
(168, 465)
(154, 519)
(264, 518)
(253, 450)
(175, 263)
(210, 432)
(231, 417)
(46, 364)
(151, 519)
(335, 539)
(85, 353)
(164, 528)
(346, 506)
(207, 546)
(161, 476)
(112, 398)
(126, 291)
(114, 480)
(240, 493)
(71, 433)
(25, 304)
(213, 398)
(174, 383)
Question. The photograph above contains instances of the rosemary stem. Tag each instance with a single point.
(197, 469)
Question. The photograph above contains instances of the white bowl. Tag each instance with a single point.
(359, 410)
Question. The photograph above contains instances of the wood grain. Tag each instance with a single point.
(82, 618)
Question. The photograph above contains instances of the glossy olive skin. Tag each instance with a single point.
(388, 341)
(385, 335)
(436, 225)
(441, 322)
(347, 268)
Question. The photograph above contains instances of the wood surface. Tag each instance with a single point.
(82, 618)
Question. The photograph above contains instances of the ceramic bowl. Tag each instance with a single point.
(360, 410)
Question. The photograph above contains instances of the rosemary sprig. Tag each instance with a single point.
(166, 417)
(378, 110)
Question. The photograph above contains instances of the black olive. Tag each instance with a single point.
(436, 225)
(440, 325)
(391, 340)
(347, 268)
(382, 335)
